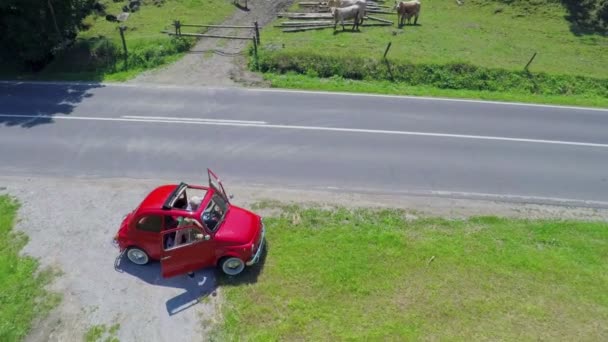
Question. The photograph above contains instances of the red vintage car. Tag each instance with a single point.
(188, 232)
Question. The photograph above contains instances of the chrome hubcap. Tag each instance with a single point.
(233, 266)
(137, 256)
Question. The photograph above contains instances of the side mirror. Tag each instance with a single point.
(231, 196)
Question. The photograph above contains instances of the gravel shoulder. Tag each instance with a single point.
(219, 62)
(70, 223)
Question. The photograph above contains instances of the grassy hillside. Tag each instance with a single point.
(365, 275)
(97, 53)
(491, 40)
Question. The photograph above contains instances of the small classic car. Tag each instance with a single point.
(188, 232)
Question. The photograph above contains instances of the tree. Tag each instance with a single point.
(34, 30)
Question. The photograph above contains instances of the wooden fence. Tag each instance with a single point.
(255, 38)
(178, 31)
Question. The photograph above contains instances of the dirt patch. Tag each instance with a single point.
(70, 223)
(220, 62)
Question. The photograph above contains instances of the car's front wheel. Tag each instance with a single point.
(232, 266)
(137, 256)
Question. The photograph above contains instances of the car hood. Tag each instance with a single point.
(240, 226)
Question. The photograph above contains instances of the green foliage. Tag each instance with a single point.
(154, 53)
(23, 297)
(371, 275)
(460, 76)
(97, 51)
(34, 30)
(341, 84)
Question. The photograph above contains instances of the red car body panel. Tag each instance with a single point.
(238, 234)
(243, 227)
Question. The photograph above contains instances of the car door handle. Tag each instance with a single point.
(165, 258)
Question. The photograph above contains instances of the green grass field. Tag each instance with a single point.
(448, 33)
(22, 294)
(488, 35)
(340, 84)
(98, 54)
(373, 275)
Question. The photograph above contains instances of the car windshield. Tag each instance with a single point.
(214, 213)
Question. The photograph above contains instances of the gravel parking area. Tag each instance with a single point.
(70, 223)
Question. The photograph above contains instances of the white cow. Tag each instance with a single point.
(346, 3)
(354, 12)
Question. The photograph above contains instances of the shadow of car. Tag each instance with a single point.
(197, 285)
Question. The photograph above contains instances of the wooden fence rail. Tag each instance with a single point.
(178, 30)
(251, 27)
(204, 35)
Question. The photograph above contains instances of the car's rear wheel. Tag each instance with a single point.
(137, 256)
(232, 266)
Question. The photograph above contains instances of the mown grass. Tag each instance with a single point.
(372, 275)
(492, 39)
(341, 84)
(22, 295)
(97, 53)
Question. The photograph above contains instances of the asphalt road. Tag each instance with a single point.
(307, 140)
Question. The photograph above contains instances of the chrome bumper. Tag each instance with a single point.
(258, 253)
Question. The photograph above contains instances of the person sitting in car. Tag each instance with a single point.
(212, 217)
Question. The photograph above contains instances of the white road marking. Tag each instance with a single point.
(277, 90)
(319, 128)
(169, 118)
(427, 98)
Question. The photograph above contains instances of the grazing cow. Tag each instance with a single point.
(354, 12)
(407, 10)
(346, 3)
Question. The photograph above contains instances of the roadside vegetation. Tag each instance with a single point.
(479, 49)
(23, 297)
(96, 52)
(102, 333)
(367, 274)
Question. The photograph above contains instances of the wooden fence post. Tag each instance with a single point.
(257, 32)
(388, 64)
(529, 62)
(387, 48)
(122, 29)
(178, 27)
(255, 52)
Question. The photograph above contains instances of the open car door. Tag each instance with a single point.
(184, 250)
(216, 184)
